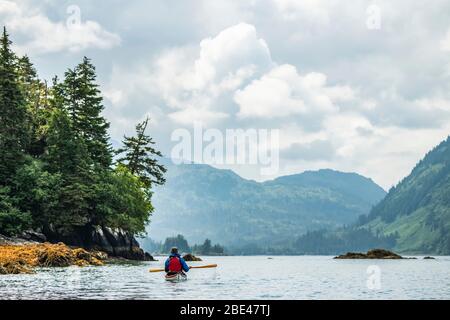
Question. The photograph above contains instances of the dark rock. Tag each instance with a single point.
(100, 255)
(114, 242)
(191, 257)
(15, 241)
(372, 254)
(149, 257)
(33, 236)
(429, 258)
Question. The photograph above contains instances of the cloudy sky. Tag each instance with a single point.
(346, 92)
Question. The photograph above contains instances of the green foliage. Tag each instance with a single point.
(67, 156)
(13, 113)
(413, 218)
(122, 201)
(345, 240)
(208, 249)
(56, 168)
(84, 104)
(12, 220)
(37, 191)
(183, 246)
(418, 208)
(35, 93)
(140, 157)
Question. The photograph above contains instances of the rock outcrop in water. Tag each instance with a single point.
(190, 257)
(115, 242)
(372, 254)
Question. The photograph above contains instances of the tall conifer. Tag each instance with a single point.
(85, 105)
(140, 157)
(13, 124)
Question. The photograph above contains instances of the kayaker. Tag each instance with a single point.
(175, 263)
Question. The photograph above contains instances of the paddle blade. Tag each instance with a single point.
(201, 267)
(205, 267)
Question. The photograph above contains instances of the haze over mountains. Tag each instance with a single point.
(320, 212)
(418, 209)
(201, 202)
(413, 218)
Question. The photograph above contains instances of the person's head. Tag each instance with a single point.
(174, 250)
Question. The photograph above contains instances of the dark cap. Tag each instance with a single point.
(174, 250)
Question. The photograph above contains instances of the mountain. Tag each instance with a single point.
(201, 202)
(417, 210)
(414, 217)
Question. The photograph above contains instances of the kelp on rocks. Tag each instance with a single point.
(17, 259)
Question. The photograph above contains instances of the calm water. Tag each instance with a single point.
(241, 278)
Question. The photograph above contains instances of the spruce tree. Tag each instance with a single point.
(35, 93)
(13, 124)
(67, 156)
(85, 105)
(140, 157)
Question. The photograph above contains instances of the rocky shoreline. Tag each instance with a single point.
(91, 245)
(114, 242)
(23, 258)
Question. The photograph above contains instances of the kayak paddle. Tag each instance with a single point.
(201, 267)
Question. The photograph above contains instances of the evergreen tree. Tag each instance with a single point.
(35, 93)
(55, 160)
(85, 104)
(12, 220)
(67, 155)
(139, 157)
(13, 124)
(121, 201)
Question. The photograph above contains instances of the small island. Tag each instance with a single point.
(191, 258)
(372, 254)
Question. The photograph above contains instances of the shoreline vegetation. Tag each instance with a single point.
(207, 248)
(59, 174)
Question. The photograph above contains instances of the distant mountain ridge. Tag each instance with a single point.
(413, 218)
(201, 202)
(417, 210)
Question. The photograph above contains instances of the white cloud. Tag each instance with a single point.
(315, 11)
(354, 99)
(230, 80)
(445, 43)
(43, 35)
(197, 82)
(189, 116)
(284, 92)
